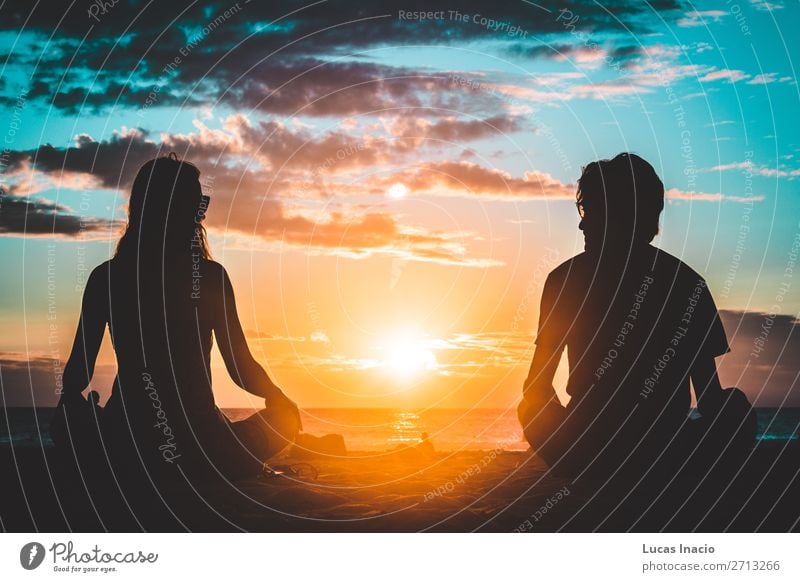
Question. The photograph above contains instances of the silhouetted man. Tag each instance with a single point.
(637, 324)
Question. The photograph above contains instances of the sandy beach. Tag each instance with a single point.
(495, 491)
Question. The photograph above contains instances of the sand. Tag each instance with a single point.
(492, 491)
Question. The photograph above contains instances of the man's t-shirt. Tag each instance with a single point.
(632, 332)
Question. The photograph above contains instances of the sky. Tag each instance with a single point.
(391, 182)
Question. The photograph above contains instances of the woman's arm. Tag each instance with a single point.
(92, 324)
(242, 367)
(75, 415)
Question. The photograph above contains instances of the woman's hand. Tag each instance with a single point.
(73, 400)
(72, 404)
(281, 402)
(75, 419)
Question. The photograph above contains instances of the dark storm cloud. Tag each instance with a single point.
(314, 87)
(246, 52)
(245, 201)
(621, 54)
(103, 97)
(295, 19)
(32, 217)
(113, 162)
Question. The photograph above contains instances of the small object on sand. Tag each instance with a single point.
(425, 446)
(295, 471)
(268, 472)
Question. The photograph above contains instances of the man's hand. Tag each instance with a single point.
(537, 400)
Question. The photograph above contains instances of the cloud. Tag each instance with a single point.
(240, 152)
(515, 93)
(460, 354)
(38, 217)
(360, 236)
(700, 18)
(676, 194)
(470, 179)
(452, 129)
(243, 160)
(767, 6)
(749, 167)
(277, 147)
(767, 78)
(113, 162)
(580, 54)
(719, 123)
(608, 90)
(245, 201)
(264, 336)
(315, 87)
(320, 337)
(763, 358)
(658, 65)
(466, 353)
(278, 57)
(730, 75)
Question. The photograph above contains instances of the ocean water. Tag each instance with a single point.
(382, 429)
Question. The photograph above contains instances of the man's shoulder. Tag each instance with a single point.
(661, 261)
(672, 265)
(570, 264)
(572, 267)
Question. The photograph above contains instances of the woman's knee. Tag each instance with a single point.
(281, 424)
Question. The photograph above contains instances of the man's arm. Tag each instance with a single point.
(705, 381)
(707, 387)
(538, 389)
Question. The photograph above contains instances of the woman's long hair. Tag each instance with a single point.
(165, 212)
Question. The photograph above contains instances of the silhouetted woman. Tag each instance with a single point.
(162, 298)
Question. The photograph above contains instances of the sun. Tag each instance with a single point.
(406, 355)
(397, 190)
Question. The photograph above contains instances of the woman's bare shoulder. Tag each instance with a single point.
(214, 269)
(99, 275)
